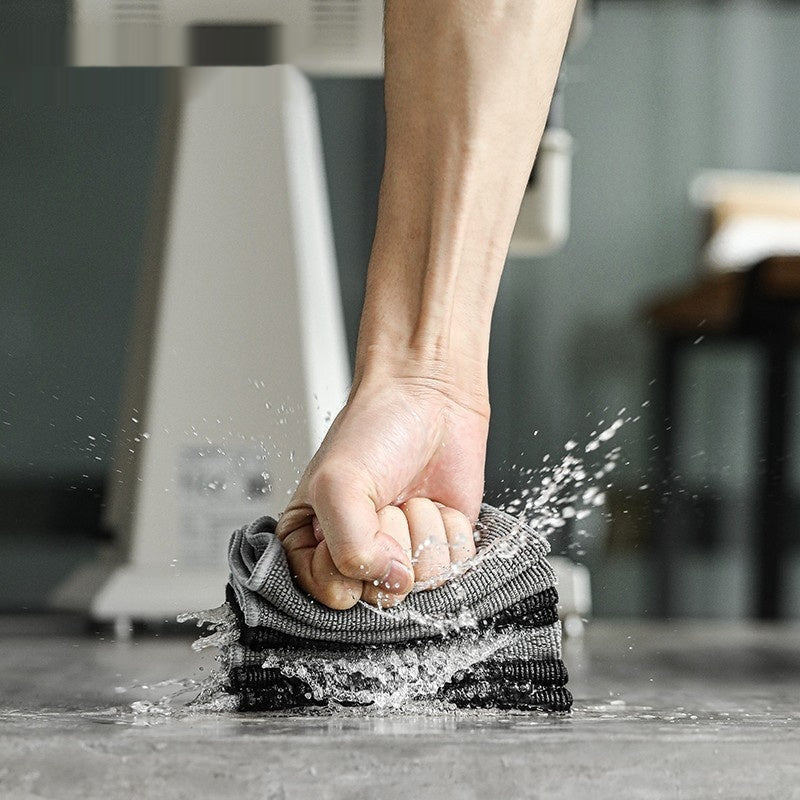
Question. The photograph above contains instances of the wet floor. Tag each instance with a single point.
(667, 710)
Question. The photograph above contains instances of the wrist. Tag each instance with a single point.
(455, 375)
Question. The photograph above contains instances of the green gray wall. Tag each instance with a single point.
(659, 91)
(76, 164)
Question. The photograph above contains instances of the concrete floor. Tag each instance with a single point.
(669, 710)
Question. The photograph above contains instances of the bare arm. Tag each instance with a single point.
(468, 88)
(393, 491)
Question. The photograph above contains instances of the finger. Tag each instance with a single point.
(313, 569)
(352, 531)
(460, 536)
(429, 544)
(393, 523)
(295, 516)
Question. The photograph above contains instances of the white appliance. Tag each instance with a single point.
(329, 37)
(240, 359)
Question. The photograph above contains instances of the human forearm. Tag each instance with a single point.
(393, 493)
(468, 87)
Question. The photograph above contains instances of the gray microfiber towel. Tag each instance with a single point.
(510, 566)
(489, 637)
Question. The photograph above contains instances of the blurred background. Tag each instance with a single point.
(659, 92)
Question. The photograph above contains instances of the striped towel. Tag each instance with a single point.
(488, 638)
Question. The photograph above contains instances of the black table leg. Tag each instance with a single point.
(665, 414)
(771, 526)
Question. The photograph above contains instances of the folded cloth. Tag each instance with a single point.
(520, 668)
(288, 693)
(489, 637)
(537, 610)
(510, 567)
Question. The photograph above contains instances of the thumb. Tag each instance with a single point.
(352, 530)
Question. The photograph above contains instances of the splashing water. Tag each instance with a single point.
(220, 621)
(393, 681)
(409, 678)
(206, 694)
(569, 489)
(183, 691)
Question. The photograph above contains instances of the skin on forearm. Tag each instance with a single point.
(393, 493)
(468, 88)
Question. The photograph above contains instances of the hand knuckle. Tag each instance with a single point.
(325, 481)
(416, 504)
(354, 561)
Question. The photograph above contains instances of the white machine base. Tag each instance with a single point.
(574, 594)
(243, 363)
(156, 594)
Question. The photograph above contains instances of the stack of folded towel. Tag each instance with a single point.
(488, 638)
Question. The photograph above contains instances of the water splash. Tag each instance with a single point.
(171, 703)
(206, 694)
(220, 622)
(571, 488)
(408, 679)
(392, 681)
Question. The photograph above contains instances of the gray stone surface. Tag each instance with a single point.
(671, 710)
